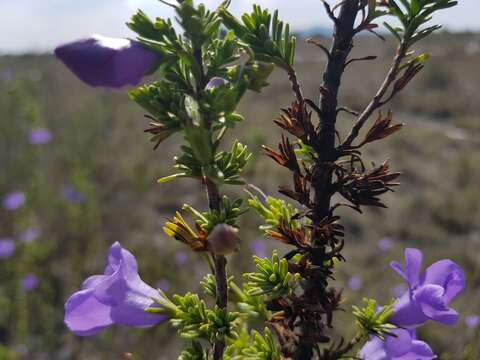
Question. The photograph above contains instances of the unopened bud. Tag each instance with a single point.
(216, 82)
(222, 240)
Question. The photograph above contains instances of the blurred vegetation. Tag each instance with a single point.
(99, 150)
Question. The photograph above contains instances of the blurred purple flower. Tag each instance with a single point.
(39, 136)
(29, 235)
(7, 247)
(6, 74)
(429, 293)
(73, 195)
(30, 282)
(13, 200)
(216, 82)
(107, 62)
(398, 290)
(181, 258)
(258, 248)
(404, 346)
(119, 296)
(385, 244)
(472, 321)
(354, 283)
(163, 284)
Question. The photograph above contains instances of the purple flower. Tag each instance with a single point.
(181, 258)
(472, 321)
(107, 62)
(258, 248)
(354, 283)
(29, 235)
(6, 74)
(118, 296)
(7, 247)
(29, 282)
(13, 200)
(385, 244)
(404, 346)
(39, 136)
(73, 195)
(429, 293)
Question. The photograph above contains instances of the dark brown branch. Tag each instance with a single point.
(371, 57)
(314, 106)
(329, 11)
(340, 50)
(319, 45)
(292, 76)
(376, 102)
(315, 293)
(347, 110)
(348, 347)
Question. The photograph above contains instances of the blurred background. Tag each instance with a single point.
(77, 174)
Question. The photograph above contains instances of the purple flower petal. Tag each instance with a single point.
(413, 265)
(403, 346)
(448, 275)
(107, 62)
(13, 200)
(39, 136)
(7, 247)
(85, 315)
(399, 345)
(93, 281)
(408, 312)
(432, 302)
(420, 350)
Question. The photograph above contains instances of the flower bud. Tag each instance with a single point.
(222, 240)
(215, 83)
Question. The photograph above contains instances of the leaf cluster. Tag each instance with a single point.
(184, 99)
(256, 347)
(267, 37)
(275, 212)
(373, 320)
(194, 352)
(194, 320)
(227, 214)
(412, 14)
(272, 278)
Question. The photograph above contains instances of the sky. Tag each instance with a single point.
(40, 25)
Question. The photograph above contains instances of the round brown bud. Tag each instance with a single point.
(222, 240)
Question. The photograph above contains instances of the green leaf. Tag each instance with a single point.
(169, 178)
